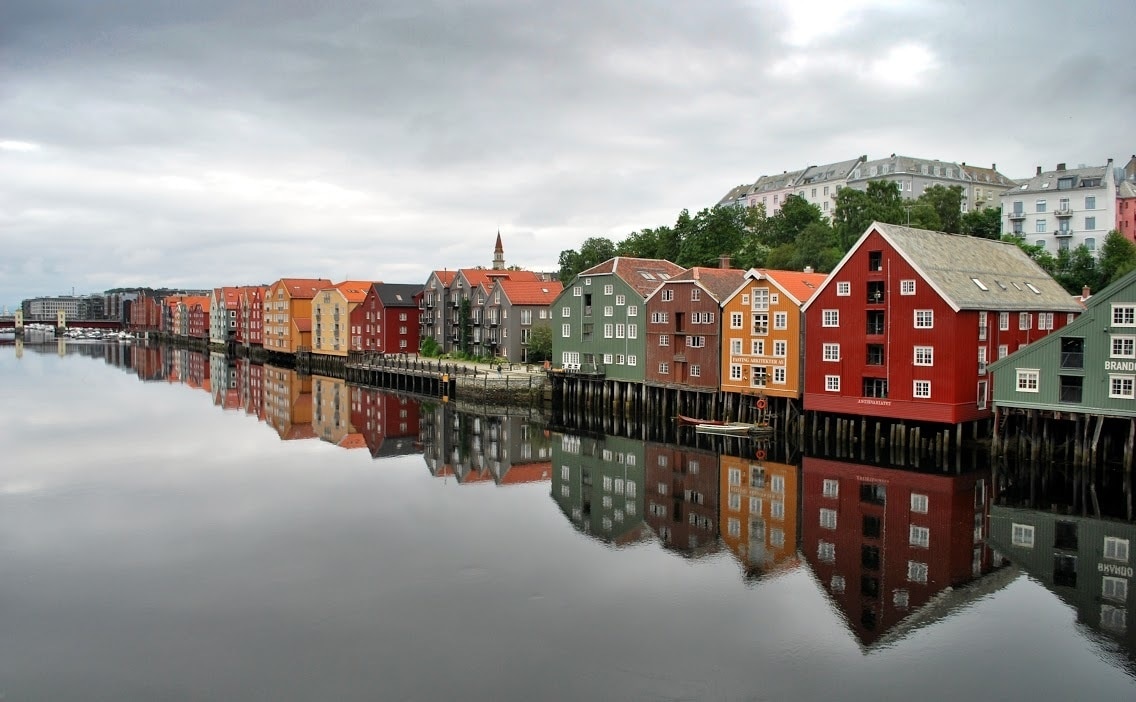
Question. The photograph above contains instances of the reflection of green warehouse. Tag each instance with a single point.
(1086, 562)
(598, 484)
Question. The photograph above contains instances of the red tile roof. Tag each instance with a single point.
(355, 290)
(303, 324)
(304, 288)
(487, 276)
(800, 285)
(720, 282)
(642, 274)
(527, 473)
(446, 277)
(523, 292)
(353, 441)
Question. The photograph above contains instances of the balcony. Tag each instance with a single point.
(1063, 212)
(1016, 216)
(1063, 233)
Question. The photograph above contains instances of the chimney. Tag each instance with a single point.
(723, 262)
(1039, 170)
(1086, 293)
(808, 269)
(1061, 166)
(993, 166)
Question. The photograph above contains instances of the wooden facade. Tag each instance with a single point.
(683, 328)
(387, 321)
(682, 497)
(759, 512)
(905, 325)
(288, 313)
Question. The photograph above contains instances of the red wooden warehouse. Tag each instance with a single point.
(904, 326)
(387, 319)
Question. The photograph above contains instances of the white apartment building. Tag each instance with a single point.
(1064, 208)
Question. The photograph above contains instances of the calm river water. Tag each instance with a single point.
(234, 532)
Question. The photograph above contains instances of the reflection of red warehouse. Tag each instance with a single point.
(682, 497)
(884, 541)
(379, 416)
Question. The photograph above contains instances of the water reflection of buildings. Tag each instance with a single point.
(682, 497)
(759, 513)
(223, 381)
(599, 486)
(288, 403)
(388, 423)
(331, 414)
(250, 387)
(891, 546)
(479, 448)
(1079, 546)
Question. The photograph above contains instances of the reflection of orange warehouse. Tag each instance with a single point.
(288, 313)
(762, 329)
(288, 402)
(758, 514)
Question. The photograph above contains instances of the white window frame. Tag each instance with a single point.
(1122, 386)
(830, 352)
(780, 320)
(924, 356)
(1125, 340)
(919, 536)
(1123, 315)
(907, 286)
(832, 383)
(1116, 549)
(830, 318)
(736, 320)
(924, 319)
(919, 503)
(1028, 380)
(827, 518)
(921, 389)
(843, 288)
(1022, 535)
(830, 487)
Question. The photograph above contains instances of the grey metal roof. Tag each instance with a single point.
(776, 182)
(952, 264)
(828, 172)
(398, 294)
(1047, 181)
(896, 165)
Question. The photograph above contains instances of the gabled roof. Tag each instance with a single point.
(397, 294)
(736, 193)
(1126, 189)
(717, 282)
(487, 276)
(527, 473)
(524, 292)
(303, 324)
(986, 176)
(444, 277)
(228, 296)
(798, 285)
(767, 184)
(969, 272)
(354, 290)
(304, 288)
(828, 172)
(1047, 182)
(354, 440)
(642, 274)
(194, 300)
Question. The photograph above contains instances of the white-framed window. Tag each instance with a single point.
(565, 311)
(826, 552)
(924, 355)
(632, 359)
(1122, 386)
(1114, 588)
(827, 518)
(735, 372)
(780, 320)
(1123, 347)
(759, 374)
(609, 331)
(777, 483)
(695, 370)
(982, 360)
(1028, 379)
(832, 383)
(907, 287)
(1116, 549)
(632, 310)
(921, 389)
(757, 347)
(696, 342)
(830, 488)
(919, 536)
(620, 331)
(918, 503)
(1004, 321)
(566, 330)
(1025, 321)
(736, 320)
(780, 348)
(734, 476)
(664, 368)
(667, 295)
(735, 346)
(734, 527)
(1045, 321)
(664, 339)
(577, 291)
(609, 289)
(916, 572)
(632, 331)
(924, 319)
(777, 510)
(621, 300)
(734, 502)
(1124, 315)
(760, 299)
(695, 294)
(779, 375)
(609, 311)
(830, 318)
(1022, 535)
(843, 288)
(1003, 350)
(659, 317)
(607, 358)
(831, 352)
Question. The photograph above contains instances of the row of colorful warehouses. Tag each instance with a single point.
(910, 325)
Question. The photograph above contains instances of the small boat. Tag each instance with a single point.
(734, 428)
(683, 419)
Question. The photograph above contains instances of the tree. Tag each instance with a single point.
(795, 215)
(1035, 251)
(593, 251)
(857, 209)
(465, 326)
(946, 202)
(922, 215)
(1075, 269)
(540, 344)
(712, 233)
(429, 348)
(1117, 257)
(985, 223)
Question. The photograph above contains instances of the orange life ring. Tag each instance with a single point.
(761, 454)
(761, 403)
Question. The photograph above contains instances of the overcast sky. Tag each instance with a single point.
(227, 142)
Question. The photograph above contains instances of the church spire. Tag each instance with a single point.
(498, 254)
